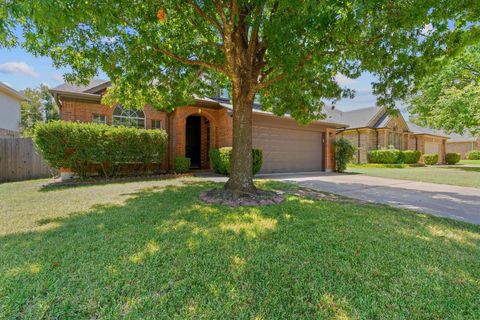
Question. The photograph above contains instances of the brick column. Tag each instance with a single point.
(330, 137)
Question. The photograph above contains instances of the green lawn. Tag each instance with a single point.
(146, 250)
(467, 162)
(459, 175)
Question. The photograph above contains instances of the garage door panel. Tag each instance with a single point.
(288, 149)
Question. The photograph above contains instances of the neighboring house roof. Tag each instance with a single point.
(355, 119)
(11, 92)
(376, 118)
(426, 131)
(462, 138)
(93, 90)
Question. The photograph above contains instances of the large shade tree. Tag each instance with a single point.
(450, 98)
(286, 52)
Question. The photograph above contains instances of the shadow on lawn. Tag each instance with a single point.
(164, 254)
(466, 168)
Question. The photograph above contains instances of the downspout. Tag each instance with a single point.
(167, 129)
(358, 146)
(416, 142)
(376, 131)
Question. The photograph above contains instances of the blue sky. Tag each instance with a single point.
(20, 69)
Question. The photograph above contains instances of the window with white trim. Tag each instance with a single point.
(128, 117)
(99, 118)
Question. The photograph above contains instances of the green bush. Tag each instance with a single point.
(344, 152)
(452, 158)
(78, 146)
(473, 155)
(430, 159)
(182, 164)
(394, 156)
(387, 156)
(410, 156)
(221, 160)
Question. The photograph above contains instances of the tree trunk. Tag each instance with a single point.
(241, 177)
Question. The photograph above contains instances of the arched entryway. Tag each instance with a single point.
(197, 141)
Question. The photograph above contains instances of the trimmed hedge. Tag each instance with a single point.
(394, 156)
(430, 159)
(221, 160)
(410, 156)
(452, 158)
(473, 155)
(386, 156)
(78, 146)
(344, 152)
(182, 164)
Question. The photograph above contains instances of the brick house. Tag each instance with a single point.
(195, 129)
(462, 144)
(374, 128)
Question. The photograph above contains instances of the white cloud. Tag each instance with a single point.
(18, 68)
(58, 77)
(343, 79)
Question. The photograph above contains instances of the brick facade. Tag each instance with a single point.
(394, 133)
(216, 127)
(463, 147)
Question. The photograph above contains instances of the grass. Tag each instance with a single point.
(150, 250)
(465, 176)
(467, 162)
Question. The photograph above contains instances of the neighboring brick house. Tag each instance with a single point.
(462, 144)
(374, 128)
(195, 129)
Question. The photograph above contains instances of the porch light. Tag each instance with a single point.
(199, 110)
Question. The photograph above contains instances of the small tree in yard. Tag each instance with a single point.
(344, 151)
(286, 52)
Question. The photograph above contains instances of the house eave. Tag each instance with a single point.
(76, 95)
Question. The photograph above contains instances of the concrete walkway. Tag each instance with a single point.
(459, 203)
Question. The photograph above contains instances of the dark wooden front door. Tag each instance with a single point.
(193, 140)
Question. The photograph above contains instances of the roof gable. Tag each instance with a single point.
(11, 92)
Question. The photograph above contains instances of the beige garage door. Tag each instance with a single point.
(287, 148)
(432, 148)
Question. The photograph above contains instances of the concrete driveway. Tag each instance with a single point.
(459, 203)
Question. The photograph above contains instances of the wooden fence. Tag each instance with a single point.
(19, 160)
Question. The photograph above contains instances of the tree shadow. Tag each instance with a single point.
(468, 169)
(163, 254)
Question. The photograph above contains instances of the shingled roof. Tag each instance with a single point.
(94, 89)
(422, 130)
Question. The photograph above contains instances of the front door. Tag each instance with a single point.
(193, 141)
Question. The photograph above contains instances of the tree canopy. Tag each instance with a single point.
(450, 98)
(40, 107)
(287, 52)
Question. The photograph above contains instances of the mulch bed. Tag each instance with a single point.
(259, 198)
(265, 198)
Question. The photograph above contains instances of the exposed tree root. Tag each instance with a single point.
(235, 198)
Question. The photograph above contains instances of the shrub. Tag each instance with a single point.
(221, 160)
(344, 152)
(452, 158)
(387, 156)
(182, 164)
(430, 159)
(78, 146)
(473, 155)
(410, 156)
